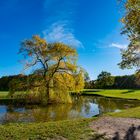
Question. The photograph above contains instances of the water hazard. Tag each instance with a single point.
(83, 107)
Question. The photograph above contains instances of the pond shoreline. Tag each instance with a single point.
(17, 101)
(83, 107)
(68, 129)
(98, 95)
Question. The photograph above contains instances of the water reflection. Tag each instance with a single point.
(83, 107)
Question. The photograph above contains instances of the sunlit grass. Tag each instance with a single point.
(129, 113)
(122, 93)
(3, 94)
(71, 130)
(117, 93)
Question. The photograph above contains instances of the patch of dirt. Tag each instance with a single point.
(117, 128)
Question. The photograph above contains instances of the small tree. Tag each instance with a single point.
(55, 65)
(104, 80)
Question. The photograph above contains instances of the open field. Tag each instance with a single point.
(115, 93)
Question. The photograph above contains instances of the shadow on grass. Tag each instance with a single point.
(98, 137)
(129, 91)
(92, 90)
(131, 134)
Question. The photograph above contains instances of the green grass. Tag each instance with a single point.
(116, 93)
(129, 113)
(3, 94)
(71, 130)
(126, 94)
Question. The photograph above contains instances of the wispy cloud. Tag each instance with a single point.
(119, 46)
(60, 32)
(112, 40)
(59, 23)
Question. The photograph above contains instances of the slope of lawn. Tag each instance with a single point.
(127, 93)
(71, 130)
(128, 113)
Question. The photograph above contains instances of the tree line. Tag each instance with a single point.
(106, 81)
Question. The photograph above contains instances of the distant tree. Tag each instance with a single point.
(137, 78)
(125, 82)
(4, 81)
(104, 80)
(55, 65)
(90, 84)
(86, 76)
(86, 79)
(15, 85)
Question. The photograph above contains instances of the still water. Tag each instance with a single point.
(84, 107)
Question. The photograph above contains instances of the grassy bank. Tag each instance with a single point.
(18, 99)
(128, 113)
(3, 94)
(71, 130)
(115, 93)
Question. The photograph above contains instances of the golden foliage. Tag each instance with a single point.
(57, 67)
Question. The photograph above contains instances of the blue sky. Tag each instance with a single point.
(91, 26)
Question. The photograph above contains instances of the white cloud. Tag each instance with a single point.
(119, 46)
(59, 32)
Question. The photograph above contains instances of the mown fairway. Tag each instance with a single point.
(125, 93)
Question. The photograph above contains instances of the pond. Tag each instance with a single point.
(83, 107)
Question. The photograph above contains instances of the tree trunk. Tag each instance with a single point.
(48, 92)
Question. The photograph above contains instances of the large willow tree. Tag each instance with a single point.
(56, 72)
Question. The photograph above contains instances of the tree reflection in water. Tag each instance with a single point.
(83, 106)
